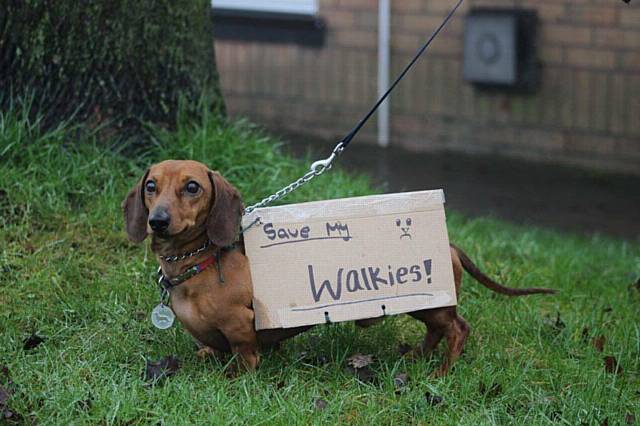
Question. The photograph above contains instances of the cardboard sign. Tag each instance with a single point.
(347, 259)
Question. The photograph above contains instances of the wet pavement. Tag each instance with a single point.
(561, 198)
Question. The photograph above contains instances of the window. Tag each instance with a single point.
(272, 21)
(293, 7)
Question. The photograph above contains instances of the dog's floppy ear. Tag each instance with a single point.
(223, 223)
(135, 212)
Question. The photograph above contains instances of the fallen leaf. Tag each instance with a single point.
(358, 360)
(556, 325)
(11, 417)
(32, 342)
(433, 399)
(85, 404)
(321, 360)
(400, 381)
(5, 393)
(4, 397)
(559, 324)
(358, 365)
(491, 391)
(320, 404)
(352, 416)
(311, 359)
(157, 371)
(598, 343)
(611, 365)
(364, 374)
(630, 419)
(555, 416)
(5, 372)
(404, 348)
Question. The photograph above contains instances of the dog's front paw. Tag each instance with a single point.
(206, 352)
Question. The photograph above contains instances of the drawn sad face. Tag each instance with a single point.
(405, 229)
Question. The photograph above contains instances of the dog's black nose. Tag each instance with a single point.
(159, 221)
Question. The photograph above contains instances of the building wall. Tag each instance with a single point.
(586, 112)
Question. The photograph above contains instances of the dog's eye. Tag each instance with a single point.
(192, 187)
(150, 186)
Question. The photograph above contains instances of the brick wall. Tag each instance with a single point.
(586, 111)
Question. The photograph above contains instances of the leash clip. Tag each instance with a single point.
(318, 167)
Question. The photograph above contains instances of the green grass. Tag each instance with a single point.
(69, 274)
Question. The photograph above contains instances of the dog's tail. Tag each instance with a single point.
(483, 279)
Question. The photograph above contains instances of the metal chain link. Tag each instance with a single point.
(176, 258)
(316, 169)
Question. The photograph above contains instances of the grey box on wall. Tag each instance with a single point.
(500, 49)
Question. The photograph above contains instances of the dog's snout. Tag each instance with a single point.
(159, 221)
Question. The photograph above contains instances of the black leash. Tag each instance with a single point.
(347, 139)
(321, 166)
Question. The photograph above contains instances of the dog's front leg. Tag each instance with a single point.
(241, 334)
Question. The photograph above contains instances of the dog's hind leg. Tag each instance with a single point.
(442, 323)
(456, 334)
(430, 343)
(437, 321)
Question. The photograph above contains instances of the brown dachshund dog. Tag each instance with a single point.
(193, 216)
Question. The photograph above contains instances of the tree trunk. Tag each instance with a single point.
(121, 62)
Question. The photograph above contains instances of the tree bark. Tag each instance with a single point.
(120, 62)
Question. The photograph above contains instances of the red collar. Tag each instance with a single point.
(168, 284)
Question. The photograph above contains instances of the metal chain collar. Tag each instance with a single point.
(316, 169)
(176, 258)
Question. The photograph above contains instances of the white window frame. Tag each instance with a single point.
(293, 7)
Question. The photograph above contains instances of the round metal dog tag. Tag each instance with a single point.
(162, 316)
